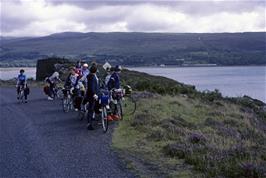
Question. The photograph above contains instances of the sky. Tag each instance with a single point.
(44, 17)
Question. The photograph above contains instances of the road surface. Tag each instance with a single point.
(38, 140)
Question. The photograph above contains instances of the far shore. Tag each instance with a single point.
(157, 66)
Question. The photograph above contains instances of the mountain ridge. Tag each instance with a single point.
(136, 48)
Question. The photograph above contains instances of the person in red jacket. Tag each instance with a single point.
(78, 68)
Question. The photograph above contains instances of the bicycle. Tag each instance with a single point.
(58, 92)
(67, 102)
(102, 109)
(82, 113)
(124, 103)
(104, 101)
(116, 100)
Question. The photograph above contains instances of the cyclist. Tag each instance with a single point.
(84, 73)
(114, 83)
(108, 76)
(76, 88)
(92, 93)
(71, 80)
(22, 82)
(52, 80)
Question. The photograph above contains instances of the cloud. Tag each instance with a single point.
(43, 17)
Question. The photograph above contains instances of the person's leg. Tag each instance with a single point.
(18, 90)
(26, 92)
(52, 89)
(90, 114)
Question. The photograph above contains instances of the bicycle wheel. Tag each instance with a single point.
(65, 104)
(129, 106)
(104, 119)
(59, 93)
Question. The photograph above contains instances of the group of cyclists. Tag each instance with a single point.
(84, 86)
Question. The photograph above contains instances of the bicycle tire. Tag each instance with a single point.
(65, 104)
(130, 106)
(59, 93)
(104, 119)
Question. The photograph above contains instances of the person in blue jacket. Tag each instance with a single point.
(114, 81)
(92, 93)
(22, 82)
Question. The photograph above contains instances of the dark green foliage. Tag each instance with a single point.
(161, 85)
(250, 104)
(46, 67)
(211, 95)
(175, 149)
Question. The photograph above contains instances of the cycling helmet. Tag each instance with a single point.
(21, 71)
(118, 68)
(85, 65)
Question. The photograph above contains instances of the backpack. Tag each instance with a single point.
(27, 90)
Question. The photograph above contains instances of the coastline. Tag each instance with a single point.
(6, 82)
(177, 66)
(155, 66)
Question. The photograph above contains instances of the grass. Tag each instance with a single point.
(176, 136)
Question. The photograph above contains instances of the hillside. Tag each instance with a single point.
(141, 48)
(180, 136)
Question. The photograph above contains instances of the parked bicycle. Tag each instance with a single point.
(104, 101)
(123, 103)
(102, 110)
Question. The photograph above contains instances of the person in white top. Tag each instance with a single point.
(52, 80)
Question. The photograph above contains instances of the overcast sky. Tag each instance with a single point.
(44, 17)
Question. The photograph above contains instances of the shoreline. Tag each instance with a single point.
(8, 82)
(166, 66)
(172, 66)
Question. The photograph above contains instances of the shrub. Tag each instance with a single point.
(175, 149)
(197, 138)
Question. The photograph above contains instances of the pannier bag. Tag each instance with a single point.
(46, 89)
(104, 100)
(104, 97)
(27, 90)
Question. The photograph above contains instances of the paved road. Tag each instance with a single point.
(38, 140)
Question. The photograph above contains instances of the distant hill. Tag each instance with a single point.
(141, 48)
